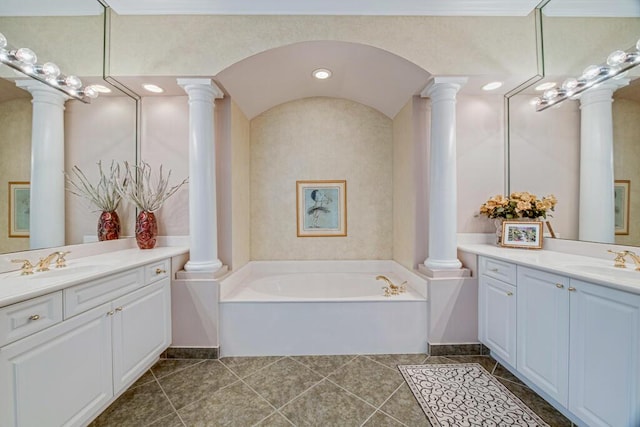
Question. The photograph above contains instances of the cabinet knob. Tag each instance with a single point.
(34, 317)
(559, 285)
(160, 271)
(509, 294)
(118, 308)
(110, 313)
(571, 289)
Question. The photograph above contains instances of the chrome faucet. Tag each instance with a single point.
(392, 289)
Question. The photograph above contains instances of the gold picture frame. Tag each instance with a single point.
(321, 208)
(19, 206)
(522, 234)
(622, 193)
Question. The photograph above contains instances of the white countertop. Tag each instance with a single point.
(589, 269)
(15, 287)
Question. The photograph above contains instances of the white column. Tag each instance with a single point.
(46, 211)
(597, 216)
(442, 173)
(203, 222)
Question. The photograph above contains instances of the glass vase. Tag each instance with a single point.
(146, 230)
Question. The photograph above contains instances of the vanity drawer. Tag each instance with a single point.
(80, 298)
(27, 317)
(157, 271)
(498, 270)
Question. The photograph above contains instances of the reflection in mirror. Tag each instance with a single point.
(103, 130)
(549, 150)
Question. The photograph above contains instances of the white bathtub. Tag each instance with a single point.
(321, 307)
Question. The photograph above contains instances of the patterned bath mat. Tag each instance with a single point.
(466, 394)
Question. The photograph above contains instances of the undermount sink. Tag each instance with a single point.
(610, 272)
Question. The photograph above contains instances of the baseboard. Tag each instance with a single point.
(190, 353)
(458, 350)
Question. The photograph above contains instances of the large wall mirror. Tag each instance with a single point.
(545, 147)
(103, 130)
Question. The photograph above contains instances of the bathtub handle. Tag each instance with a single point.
(387, 291)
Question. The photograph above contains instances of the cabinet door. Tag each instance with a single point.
(543, 331)
(497, 313)
(604, 372)
(60, 376)
(141, 331)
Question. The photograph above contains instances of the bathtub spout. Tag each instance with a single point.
(392, 289)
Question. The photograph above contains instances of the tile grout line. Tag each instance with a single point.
(169, 400)
(379, 409)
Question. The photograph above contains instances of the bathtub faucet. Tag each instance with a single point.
(392, 289)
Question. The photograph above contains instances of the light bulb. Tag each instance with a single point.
(570, 84)
(616, 58)
(73, 82)
(591, 72)
(26, 55)
(91, 92)
(50, 70)
(550, 94)
(3, 41)
(321, 73)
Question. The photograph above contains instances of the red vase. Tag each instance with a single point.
(146, 230)
(108, 226)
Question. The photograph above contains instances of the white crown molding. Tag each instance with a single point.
(593, 8)
(326, 7)
(50, 8)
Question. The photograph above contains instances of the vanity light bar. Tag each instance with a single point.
(617, 63)
(25, 60)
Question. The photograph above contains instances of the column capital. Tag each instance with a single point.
(43, 93)
(602, 92)
(203, 87)
(443, 82)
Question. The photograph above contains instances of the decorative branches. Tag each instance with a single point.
(104, 195)
(143, 191)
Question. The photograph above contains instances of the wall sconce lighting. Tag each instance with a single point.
(25, 60)
(616, 64)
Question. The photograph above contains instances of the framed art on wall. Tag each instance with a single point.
(621, 204)
(522, 234)
(321, 208)
(19, 205)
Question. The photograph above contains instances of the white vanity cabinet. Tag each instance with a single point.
(497, 308)
(543, 331)
(112, 331)
(576, 342)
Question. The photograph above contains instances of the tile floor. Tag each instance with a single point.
(284, 391)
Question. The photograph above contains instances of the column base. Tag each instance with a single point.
(442, 264)
(447, 273)
(203, 266)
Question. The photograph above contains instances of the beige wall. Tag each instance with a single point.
(545, 158)
(240, 187)
(480, 157)
(440, 45)
(321, 139)
(15, 162)
(626, 157)
(101, 131)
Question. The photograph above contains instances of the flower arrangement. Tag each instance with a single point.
(103, 195)
(518, 205)
(147, 194)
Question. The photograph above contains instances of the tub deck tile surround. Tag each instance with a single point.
(320, 390)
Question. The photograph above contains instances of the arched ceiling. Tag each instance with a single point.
(364, 74)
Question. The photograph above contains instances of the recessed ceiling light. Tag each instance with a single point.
(545, 86)
(152, 88)
(101, 88)
(321, 73)
(492, 86)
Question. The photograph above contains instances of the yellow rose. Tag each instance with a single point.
(523, 206)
